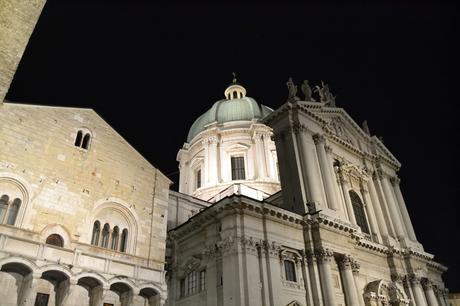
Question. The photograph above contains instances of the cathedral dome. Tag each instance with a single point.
(237, 107)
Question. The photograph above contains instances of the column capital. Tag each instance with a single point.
(426, 284)
(355, 266)
(324, 255)
(213, 140)
(346, 262)
(328, 149)
(297, 128)
(395, 180)
(414, 279)
(319, 139)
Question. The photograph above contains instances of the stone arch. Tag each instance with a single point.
(150, 294)
(56, 229)
(25, 264)
(383, 293)
(123, 209)
(59, 270)
(294, 303)
(13, 275)
(101, 280)
(19, 188)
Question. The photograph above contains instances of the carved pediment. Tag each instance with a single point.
(338, 128)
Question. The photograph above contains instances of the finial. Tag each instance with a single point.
(234, 78)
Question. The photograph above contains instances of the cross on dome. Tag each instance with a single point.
(235, 90)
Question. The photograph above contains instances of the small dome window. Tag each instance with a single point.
(55, 239)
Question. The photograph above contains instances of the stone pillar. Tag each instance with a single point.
(97, 295)
(397, 222)
(355, 267)
(27, 293)
(326, 171)
(211, 279)
(346, 195)
(402, 205)
(311, 168)
(260, 156)
(212, 160)
(205, 170)
(429, 293)
(269, 162)
(325, 258)
(378, 210)
(349, 285)
(419, 296)
(314, 279)
(306, 279)
(408, 290)
(370, 213)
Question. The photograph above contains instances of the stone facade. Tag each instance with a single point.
(17, 21)
(338, 233)
(68, 170)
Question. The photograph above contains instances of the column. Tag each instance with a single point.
(402, 205)
(346, 195)
(97, 295)
(429, 293)
(213, 160)
(273, 272)
(397, 222)
(355, 268)
(325, 258)
(269, 162)
(325, 168)
(306, 279)
(419, 296)
(205, 171)
(370, 213)
(374, 201)
(314, 279)
(211, 279)
(27, 293)
(311, 168)
(349, 286)
(260, 154)
(408, 290)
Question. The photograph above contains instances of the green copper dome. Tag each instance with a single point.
(243, 109)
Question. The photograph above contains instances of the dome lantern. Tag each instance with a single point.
(235, 90)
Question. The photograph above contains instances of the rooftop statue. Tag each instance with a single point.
(325, 94)
(306, 89)
(292, 88)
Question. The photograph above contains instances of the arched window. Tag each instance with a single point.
(13, 213)
(289, 268)
(78, 139)
(235, 95)
(358, 209)
(124, 240)
(105, 236)
(3, 206)
(86, 141)
(96, 233)
(115, 234)
(55, 239)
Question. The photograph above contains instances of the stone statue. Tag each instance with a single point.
(325, 94)
(366, 128)
(292, 88)
(306, 89)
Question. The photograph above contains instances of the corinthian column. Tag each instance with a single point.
(269, 162)
(324, 165)
(260, 156)
(355, 267)
(349, 285)
(378, 210)
(370, 213)
(325, 258)
(397, 222)
(429, 293)
(311, 168)
(346, 195)
(213, 161)
(418, 292)
(205, 145)
(402, 206)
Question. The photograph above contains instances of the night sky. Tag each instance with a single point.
(151, 69)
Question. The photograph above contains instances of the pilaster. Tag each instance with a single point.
(325, 258)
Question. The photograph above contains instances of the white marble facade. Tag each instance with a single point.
(338, 233)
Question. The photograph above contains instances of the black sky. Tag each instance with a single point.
(151, 69)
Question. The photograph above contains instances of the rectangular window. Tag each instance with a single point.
(182, 287)
(203, 280)
(41, 299)
(238, 168)
(198, 178)
(192, 282)
(289, 266)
